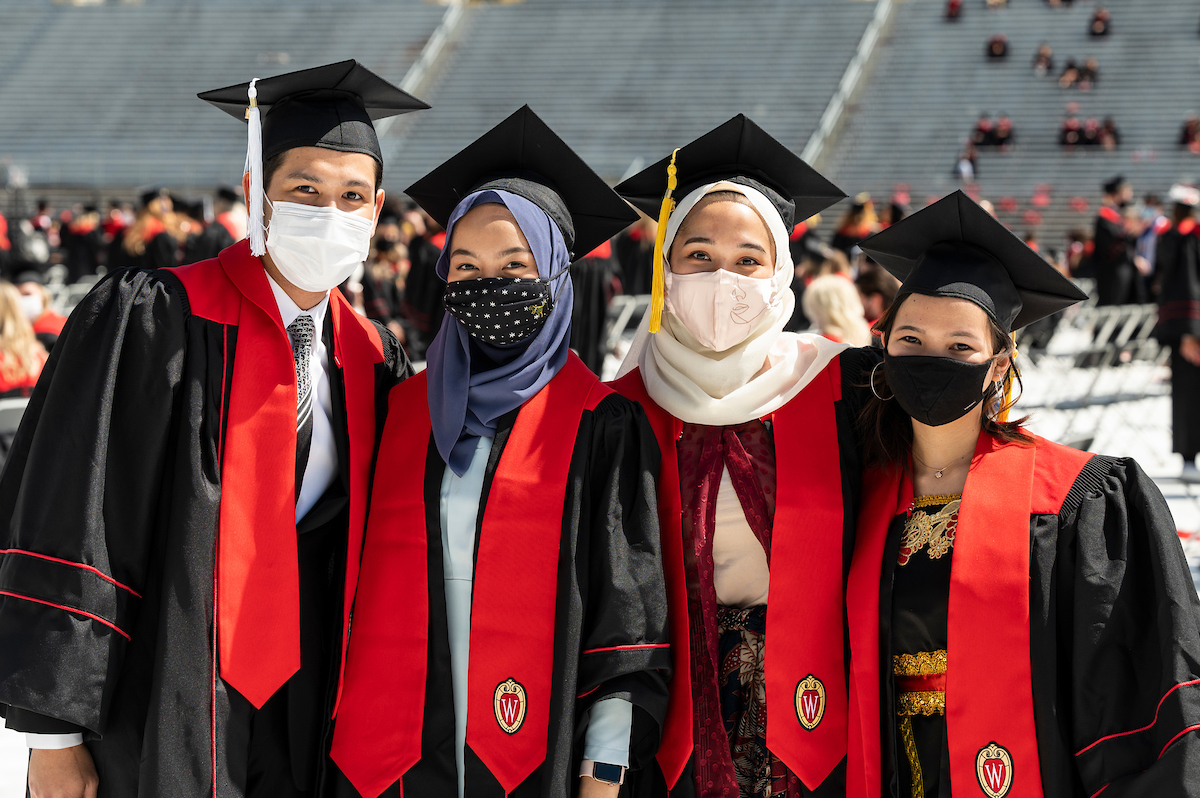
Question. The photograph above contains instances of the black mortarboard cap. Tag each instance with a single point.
(228, 194)
(28, 275)
(331, 106)
(146, 196)
(523, 156)
(956, 248)
(741, 152)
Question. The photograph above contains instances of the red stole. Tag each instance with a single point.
(989, 693)
(381, 714)
(257, 594)
(804, 657)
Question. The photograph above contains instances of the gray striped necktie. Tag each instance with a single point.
(302, 331)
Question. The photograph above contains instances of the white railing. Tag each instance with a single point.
(415, 77)
(849, 84)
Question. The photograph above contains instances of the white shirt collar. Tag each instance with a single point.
(289, 310)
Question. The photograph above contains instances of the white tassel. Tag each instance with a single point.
(255, 229)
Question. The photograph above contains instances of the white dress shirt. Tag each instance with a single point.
(322, 454)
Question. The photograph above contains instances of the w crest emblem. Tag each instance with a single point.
(509, 701)
(994, 769)
(810, 702)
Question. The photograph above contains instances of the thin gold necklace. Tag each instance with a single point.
(937, 472)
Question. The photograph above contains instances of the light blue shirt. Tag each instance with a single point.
(610, 721)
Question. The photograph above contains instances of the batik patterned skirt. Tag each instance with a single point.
(744, 704)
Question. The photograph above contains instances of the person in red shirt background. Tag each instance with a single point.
(37, 307)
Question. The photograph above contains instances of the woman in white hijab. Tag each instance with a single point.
(760, 472)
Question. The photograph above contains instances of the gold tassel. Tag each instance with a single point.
(658, 294)
(1006, 406)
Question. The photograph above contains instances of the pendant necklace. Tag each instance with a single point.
(937, 472)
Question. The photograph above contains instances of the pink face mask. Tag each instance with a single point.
(719, 308)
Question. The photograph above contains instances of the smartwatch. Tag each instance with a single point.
(603, 772)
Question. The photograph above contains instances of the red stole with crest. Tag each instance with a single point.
(381, 712)
(805, 649)
(990, 729)
(257, 591)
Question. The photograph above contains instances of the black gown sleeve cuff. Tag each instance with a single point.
(22, 720)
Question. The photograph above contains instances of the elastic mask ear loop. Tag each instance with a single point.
(550, 281)
(266, 225)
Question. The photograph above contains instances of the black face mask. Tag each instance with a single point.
(500, 310)
(935, 390)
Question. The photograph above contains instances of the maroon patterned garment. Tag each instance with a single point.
(748, 451)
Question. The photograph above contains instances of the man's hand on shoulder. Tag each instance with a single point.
(62, 773)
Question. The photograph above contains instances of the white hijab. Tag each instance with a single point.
(748, 381)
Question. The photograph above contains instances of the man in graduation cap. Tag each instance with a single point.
(185, 500)
(1022, 619)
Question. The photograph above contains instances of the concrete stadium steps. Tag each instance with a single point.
(105, 95)
(630, 79)
(930, 82)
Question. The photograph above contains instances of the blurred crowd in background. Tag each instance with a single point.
(839, 290)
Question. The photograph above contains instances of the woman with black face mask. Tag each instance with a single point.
(1022, 618)
(510, 624)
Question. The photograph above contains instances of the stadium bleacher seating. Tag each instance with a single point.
(82, 106)
(623, 80)
(930, 82)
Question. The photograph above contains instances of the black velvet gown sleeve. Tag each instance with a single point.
(1127, 643)
(78, 498)
(619, 568)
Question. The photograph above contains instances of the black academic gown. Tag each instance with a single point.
(1178, 267)
(610, 594)
(1114, 645)
(592, 278)
(161, 251)
(206, 244)
(109, 504)
(1118, 281)
(424, 295)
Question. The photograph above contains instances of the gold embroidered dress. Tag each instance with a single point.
(920, 548)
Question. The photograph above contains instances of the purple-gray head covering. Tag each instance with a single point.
(473, 384)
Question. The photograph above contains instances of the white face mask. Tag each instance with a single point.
(315, 247)
(719, 307)
(33, 305)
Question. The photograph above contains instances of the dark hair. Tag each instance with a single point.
(272, 164)
(878, 281)
(1181, 212)
(886, 430)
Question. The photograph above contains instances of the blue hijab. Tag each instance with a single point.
(473, 384)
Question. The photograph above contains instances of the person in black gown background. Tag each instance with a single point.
(1117, 266)
(1178, 269)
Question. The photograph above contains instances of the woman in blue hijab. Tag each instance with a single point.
(509, 632)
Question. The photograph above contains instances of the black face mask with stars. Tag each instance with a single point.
(500, 310)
